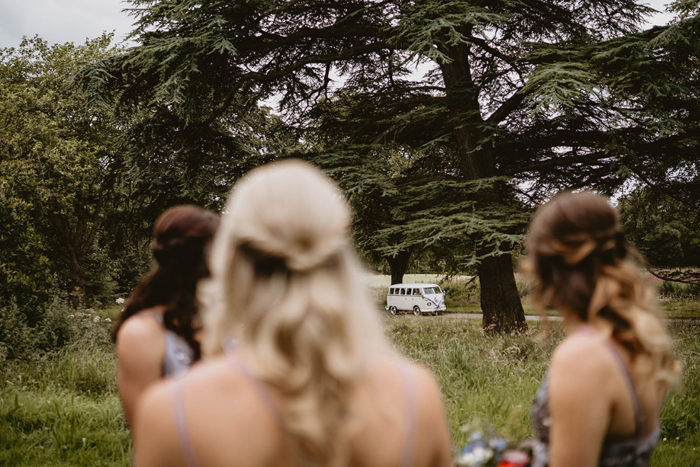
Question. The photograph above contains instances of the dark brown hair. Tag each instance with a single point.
(578, 254)
(181, 237)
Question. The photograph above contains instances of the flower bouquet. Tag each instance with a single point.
(486, 449)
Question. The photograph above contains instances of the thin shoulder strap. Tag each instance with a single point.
(181, 425)
(154, 314)
(262, 391)
(411, 411)
(628, 377)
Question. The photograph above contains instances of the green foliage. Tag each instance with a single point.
(30, 333)
(58, 171)
(676, 291)
(62, 408)
(514, 95)
(663, 229)
(16, 338)
(25, 273)
(461, 293)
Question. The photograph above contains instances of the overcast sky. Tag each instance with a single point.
(76, 20)
(59, 21)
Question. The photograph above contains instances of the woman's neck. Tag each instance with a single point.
(572, 322)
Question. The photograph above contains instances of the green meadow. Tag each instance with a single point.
(62, 409)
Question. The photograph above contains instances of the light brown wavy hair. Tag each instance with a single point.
(286, 283)
(582, 263)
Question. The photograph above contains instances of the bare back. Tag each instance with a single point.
(397, 420)
(599, 412)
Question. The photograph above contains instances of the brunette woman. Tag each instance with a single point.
(155, 334)
(312, 380)
(600, 401)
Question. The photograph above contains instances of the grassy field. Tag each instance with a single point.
(63, 409)
(494, 379)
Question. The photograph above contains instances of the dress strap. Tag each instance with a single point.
(411, 411)
(639, 416)
(153, 314)
(262, 391)
(181, 425)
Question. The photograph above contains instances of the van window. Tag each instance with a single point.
(403, 291)
(416, 291)
(429, 291)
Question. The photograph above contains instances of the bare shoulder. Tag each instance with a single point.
(420, 378)
(425, 381)
(582, 366)
(583, 353)
(157, 401)
(138, 334)
(157, 397)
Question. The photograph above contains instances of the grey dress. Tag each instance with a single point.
(635, 451)
(178, 354)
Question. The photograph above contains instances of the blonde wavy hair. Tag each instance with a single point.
(287, 285)
(582, 263)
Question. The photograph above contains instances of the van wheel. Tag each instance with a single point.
(416, 311)
(393, 311)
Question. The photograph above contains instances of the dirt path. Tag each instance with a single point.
(479, 316)
(528, 317)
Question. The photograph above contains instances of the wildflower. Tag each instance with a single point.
(120, 301)
(96, 319)
(108, 320)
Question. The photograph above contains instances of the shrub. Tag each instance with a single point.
(678, 291)
(16, 338)
(524, 285)
(462, 292)
(379, 295)
(59, 326)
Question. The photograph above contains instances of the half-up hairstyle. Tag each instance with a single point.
(582, 263)
(286, 283)
(182, 236)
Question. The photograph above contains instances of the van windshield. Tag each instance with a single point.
(429, 291)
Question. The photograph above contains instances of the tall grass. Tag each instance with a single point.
(63, 409)
(494, 379)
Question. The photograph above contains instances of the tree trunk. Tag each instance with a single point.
(398, 265)
(500, 302)
(77, 283)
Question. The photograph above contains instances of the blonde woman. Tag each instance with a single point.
(600, 402)
(312, 380)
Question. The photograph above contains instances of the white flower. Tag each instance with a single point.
(108, 320)
(96, 319)
(120, 301)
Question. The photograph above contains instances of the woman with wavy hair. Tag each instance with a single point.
(155, 334)
(312, 380)
(607, 382)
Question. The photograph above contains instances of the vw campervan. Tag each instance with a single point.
(419, 298)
